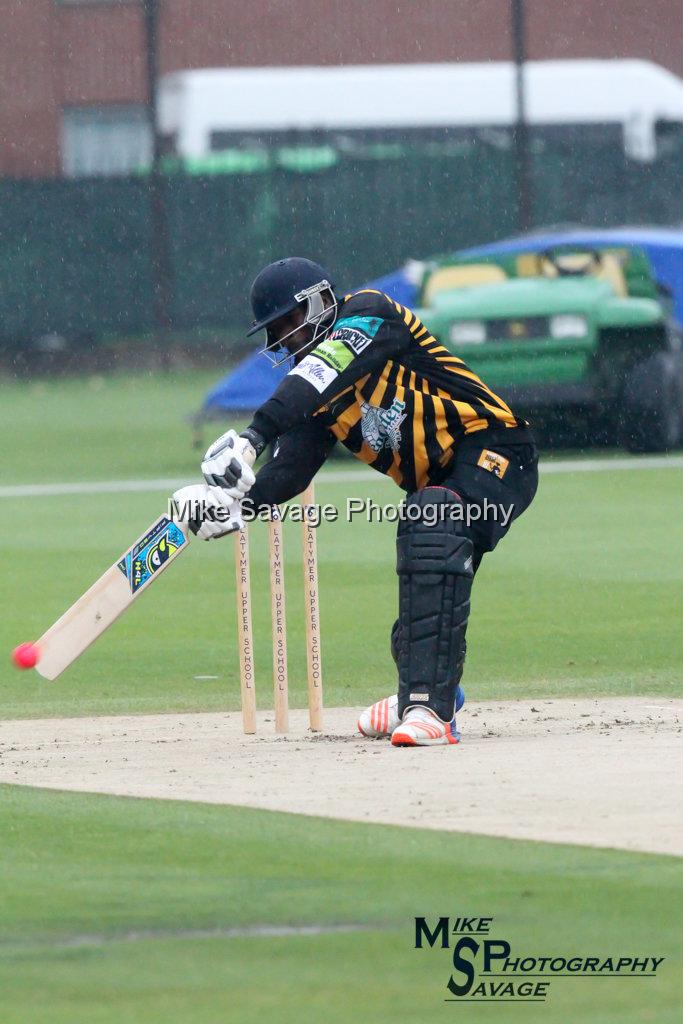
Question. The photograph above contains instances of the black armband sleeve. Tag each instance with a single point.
(292, 404)
(297, 457)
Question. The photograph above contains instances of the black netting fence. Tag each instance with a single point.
(75, 255)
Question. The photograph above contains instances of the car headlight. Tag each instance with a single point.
(468, 332)
(568, 325)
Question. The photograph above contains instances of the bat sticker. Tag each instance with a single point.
(151, 553)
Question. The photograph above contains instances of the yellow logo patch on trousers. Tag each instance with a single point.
(495, 463)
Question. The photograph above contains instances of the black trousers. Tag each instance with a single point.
(494, 483)
(477, 486)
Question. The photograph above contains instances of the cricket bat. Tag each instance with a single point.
(109, 597)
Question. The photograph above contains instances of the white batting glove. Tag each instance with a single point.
(208, 511)
(228, 463)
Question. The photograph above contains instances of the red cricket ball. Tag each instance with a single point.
(25, 655)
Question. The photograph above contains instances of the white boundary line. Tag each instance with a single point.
(333, 476)
(250, 932)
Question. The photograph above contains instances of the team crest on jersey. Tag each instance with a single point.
(382, 427)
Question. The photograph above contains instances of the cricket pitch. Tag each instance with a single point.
(597, 772)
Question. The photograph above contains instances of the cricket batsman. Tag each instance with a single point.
(365, 372)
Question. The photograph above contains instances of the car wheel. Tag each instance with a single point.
(651, 407)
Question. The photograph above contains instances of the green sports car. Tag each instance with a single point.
(574, 328)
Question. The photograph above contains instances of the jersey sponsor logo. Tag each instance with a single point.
(356, 331)
(355, 340)
(382, 427)
(333, 352)
(315, 371)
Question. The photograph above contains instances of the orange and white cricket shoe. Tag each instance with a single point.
(422, 728)
(380, 719)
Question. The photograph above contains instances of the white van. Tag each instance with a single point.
(208, 110)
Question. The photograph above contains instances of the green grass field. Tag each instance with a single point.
(583, 597)
(81, 873)
(580, 598)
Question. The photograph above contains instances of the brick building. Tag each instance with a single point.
(72, 72)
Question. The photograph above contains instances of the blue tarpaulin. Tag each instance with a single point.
(245, 387)
(254, 380)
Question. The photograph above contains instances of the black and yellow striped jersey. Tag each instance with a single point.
(388, 391)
